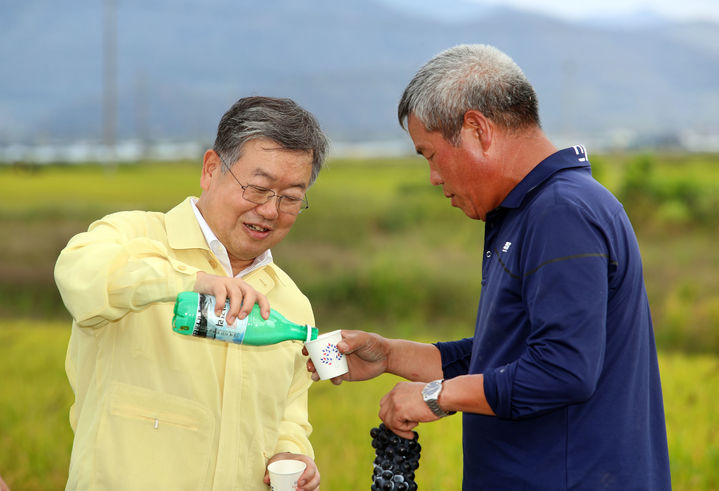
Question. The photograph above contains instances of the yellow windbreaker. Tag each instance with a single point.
(155, 410)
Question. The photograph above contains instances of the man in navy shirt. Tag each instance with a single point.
(559, 386)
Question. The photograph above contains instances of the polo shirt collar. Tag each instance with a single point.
(566, 158)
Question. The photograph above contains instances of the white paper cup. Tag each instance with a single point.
(328, 360)
(284, 474)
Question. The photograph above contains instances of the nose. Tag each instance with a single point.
(434, 178)
(270, 209)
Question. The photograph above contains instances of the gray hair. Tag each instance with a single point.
(469, 76)
(280, 120)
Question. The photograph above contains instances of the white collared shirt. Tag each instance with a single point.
(220, 251)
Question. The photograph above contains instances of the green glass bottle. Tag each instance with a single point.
(194, 315)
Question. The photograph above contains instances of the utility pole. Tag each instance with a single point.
(142, 126)
(568, 99)
(109, 112)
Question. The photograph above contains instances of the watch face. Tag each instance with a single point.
(431, 389)
(430, 394)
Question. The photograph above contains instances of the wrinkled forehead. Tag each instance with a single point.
(271, 163)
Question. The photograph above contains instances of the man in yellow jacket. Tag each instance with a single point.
(155, 410)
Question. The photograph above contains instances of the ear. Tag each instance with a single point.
(211, 168)
(478, 127)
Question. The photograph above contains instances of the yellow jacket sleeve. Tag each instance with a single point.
(295, 427)
(115, 268)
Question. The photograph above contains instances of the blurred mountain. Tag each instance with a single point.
(181, 64)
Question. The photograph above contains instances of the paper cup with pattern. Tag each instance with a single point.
(328, 360)
(284, 474)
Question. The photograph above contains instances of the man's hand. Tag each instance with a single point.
(403, 408)
(310, 478)
(241, 295)
(367, 356)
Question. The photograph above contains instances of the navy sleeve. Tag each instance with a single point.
(565, 266)
(455, 357)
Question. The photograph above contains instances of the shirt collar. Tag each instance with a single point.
(567, 158)
(221, 252)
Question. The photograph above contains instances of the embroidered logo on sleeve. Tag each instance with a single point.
(506, 246)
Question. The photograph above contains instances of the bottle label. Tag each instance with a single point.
(210, 325)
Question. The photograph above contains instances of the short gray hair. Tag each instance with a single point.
(469, 76)
(280, 120)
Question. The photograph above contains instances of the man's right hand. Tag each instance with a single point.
(3, 486)
(367, 356)
(242, 296)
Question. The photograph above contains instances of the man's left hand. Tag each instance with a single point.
(310, 478)
(403, 408)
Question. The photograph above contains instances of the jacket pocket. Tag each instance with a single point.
(149, 440)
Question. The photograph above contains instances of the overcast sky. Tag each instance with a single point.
(676, 9)
(574, 9)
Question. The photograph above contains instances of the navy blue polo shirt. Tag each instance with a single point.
(564, 339)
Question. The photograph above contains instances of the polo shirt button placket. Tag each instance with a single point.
(485, 266)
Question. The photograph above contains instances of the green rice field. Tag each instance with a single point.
(35, 436)
(379, 249)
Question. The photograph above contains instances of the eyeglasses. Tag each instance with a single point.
(259, 196)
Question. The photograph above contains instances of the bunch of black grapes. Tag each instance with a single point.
(396, 459)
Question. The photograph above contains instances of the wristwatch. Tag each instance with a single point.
(430, 394)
